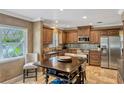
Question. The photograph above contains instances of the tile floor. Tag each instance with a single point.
(95, 75)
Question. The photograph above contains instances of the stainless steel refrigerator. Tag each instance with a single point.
(110, 51)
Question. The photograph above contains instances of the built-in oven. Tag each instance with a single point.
(83, 39)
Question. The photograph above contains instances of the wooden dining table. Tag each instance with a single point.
(71, 72)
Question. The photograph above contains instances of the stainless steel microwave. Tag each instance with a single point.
(83, 39)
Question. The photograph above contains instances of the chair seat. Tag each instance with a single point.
(29, 66)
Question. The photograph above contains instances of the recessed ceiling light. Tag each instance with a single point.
(84, 17)
(56, 21)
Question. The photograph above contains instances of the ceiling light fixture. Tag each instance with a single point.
(84, 17)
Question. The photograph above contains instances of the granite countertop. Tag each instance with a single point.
(53, 52)
(76, 55)
(95, 50)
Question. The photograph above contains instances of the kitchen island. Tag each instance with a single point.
(69, 72)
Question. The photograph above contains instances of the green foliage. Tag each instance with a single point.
(17, 51)
(11, 42)
(6, 39)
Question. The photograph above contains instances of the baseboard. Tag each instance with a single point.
(13, 80)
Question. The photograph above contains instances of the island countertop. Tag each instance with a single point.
(53, 63)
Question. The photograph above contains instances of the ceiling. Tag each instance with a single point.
(68, 18)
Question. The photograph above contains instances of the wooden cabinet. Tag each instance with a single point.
(47, 35)
(74, 36)
(84, 30)
(103, 33)
(71, 37)
(109, 33)
(95, 37)
(68, 37)
(62, 37)
(95, 57)
(113, 33)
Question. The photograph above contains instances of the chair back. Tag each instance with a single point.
(31, 57)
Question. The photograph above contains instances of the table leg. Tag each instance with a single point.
(69, 79)
(46, 77)
(81, 75)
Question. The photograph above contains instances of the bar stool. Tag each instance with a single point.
(29, 66)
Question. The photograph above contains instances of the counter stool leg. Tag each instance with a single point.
(36, 73)
(24, 76)
(27, 72)
(85, 77)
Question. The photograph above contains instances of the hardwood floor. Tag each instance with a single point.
(95, 75)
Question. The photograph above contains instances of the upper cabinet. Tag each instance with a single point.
(109, 33)
(47, 35)
(71, 36)
(103, 33)
(113, 33)
(62, 37)
(84, 30)
(95, 37)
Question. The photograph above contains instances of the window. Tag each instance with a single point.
(12, 41)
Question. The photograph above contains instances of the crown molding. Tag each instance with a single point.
(2, 11)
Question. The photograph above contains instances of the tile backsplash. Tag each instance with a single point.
(83, 46)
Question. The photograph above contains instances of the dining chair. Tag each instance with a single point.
(29, 67)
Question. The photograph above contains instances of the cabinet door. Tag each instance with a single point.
(67, 37)
(62, 37)
(104, 33)
(113, 33)
(75, 36)
(71, 37)
(95, 58)
(47, 35)
(84, 31)
(44, 35)
(95, 37)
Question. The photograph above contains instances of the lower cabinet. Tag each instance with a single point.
(95, 57)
